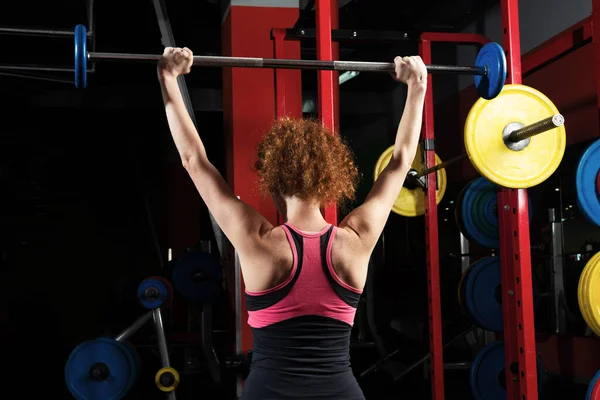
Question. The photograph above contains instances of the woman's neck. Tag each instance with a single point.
(305, 215)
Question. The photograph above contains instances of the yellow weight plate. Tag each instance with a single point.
(411, 202)
(581, 288)
(493, 159)
(592, 265)
(593, 297)
(591, 302)
(588, 293)
(167, 386)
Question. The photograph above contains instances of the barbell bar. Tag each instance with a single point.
(252, 62)
(516, 137)
(489, 71)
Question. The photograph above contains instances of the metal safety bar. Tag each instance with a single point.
(39, 32)
(34, 77)
(133, 328)
(557, 283)
(168, 40)
(37, 68)
(163, 350)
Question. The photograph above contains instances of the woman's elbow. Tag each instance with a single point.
(191, 162)
(401, 161)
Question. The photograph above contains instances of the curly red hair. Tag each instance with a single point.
(300, 157)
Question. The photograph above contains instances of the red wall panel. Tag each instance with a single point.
(249, 107)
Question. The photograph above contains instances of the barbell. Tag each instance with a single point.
(504, 142)
(489, 71)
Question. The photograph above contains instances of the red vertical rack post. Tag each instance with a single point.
(326, 96)
(431, 216)
(596, 41)
(515, 254)
(432, 240)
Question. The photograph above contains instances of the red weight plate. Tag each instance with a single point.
(169, 301)
(593, 392)
(596, 391)
(598, 184)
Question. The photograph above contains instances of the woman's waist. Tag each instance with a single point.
(301, 361)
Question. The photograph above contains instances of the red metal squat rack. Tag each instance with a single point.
(517, 295)
(515, 254)
(327, 80)
(519, 337)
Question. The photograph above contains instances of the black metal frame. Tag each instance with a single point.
(168, 40)
(26, 71)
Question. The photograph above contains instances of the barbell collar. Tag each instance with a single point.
(251, 62)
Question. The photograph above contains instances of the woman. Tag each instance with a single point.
(303, 279)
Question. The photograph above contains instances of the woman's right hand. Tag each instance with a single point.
(410, 70)
(175, 61)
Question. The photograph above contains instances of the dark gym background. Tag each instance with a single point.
(83, 181)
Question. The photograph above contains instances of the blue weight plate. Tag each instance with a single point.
(487, 373)
(77, 370)
(482, 294)
(481, 285)
(163, 293)
(135, 357)
(197, 275)
(135, 363)
(485, 370)
(80, 62)
(477, 204)
(480, 221)
(593, 383)
(132, 359)
(492, 57)
(586, 178)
